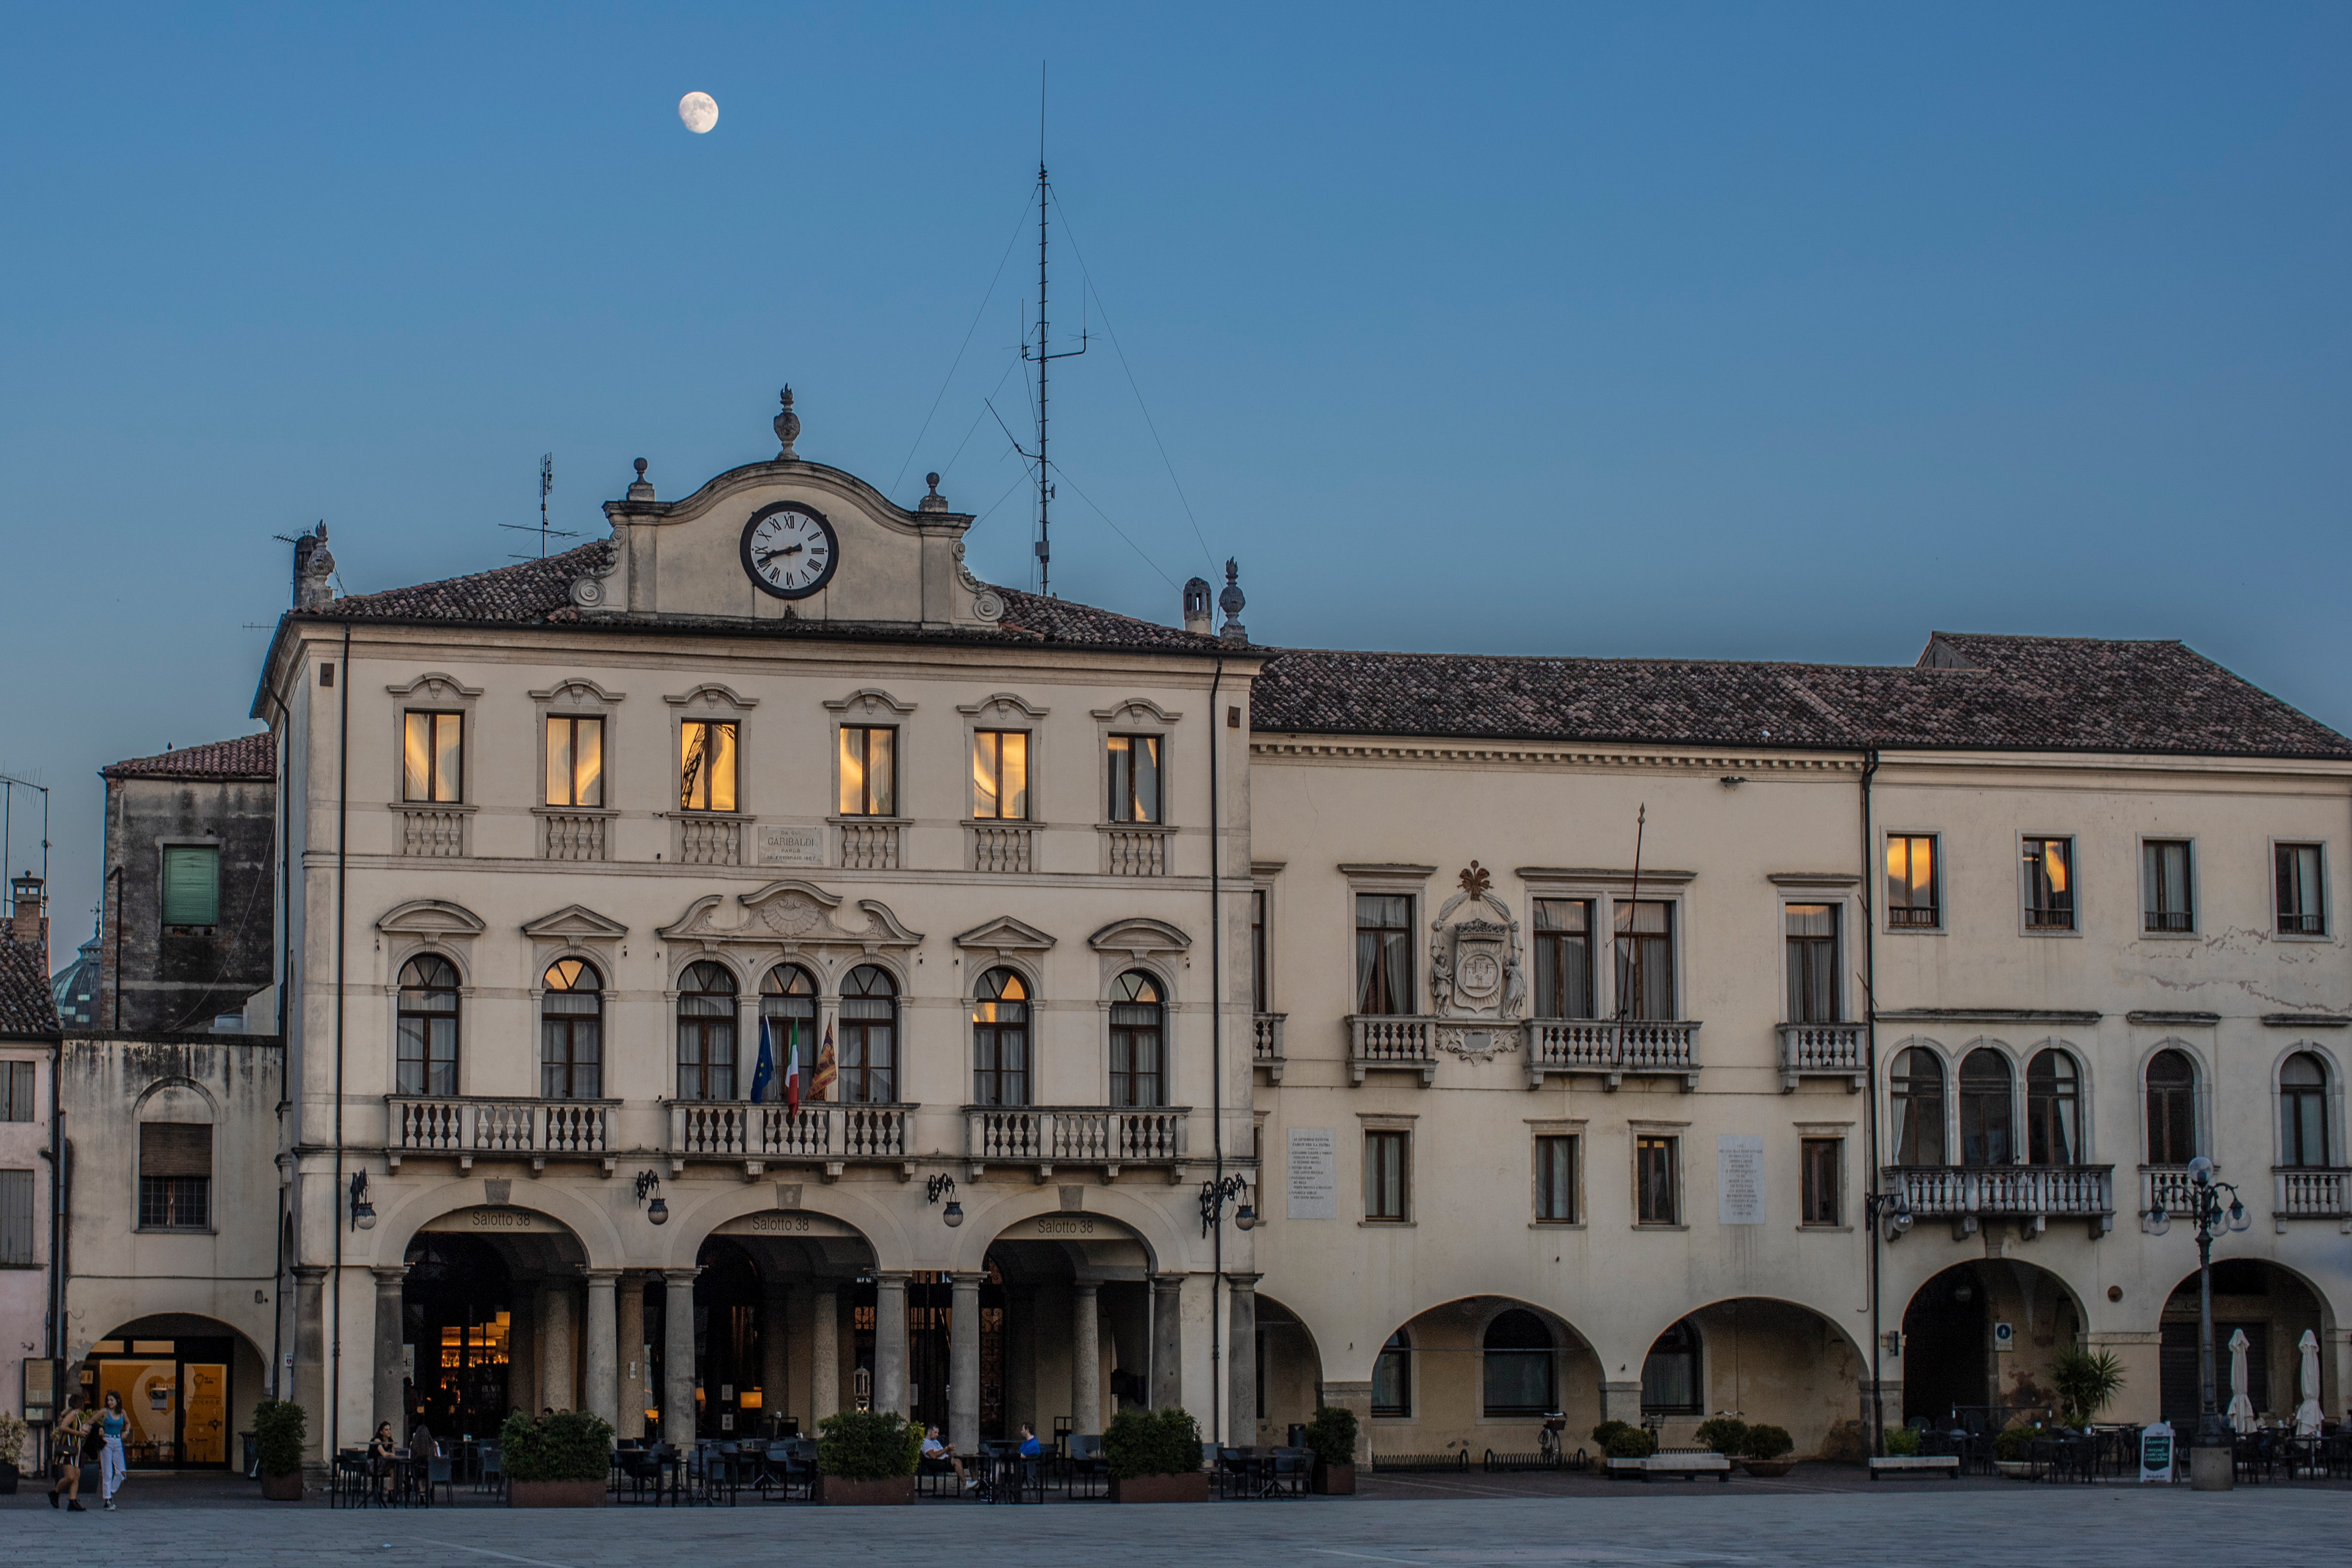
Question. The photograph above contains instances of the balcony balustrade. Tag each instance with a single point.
(1004, 847)
(1266, 1044)
(434, 831)
(2031, 1195)
(1822, 1050)
(872, 846)
(1110, 1137)
(2304, 1193)
(471, 1128)
(710, 841)
(831, 1135)
(1135, 850)
(1640, 1047)
(572, 836)
(1392, 1040)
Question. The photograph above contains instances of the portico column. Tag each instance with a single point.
(1085, 1357)
(890, 1342)
(963, 1364)
(630, 1335)
(1166, 1341)
(677, 1358)
(775, 1322)
(825, 1352)
(1358, 1398)
(1622, 1402)
(600, 1364)
(389, 1403)
(1240, 1359)
(309, 1353)
(522, 1347)
(555, 1389)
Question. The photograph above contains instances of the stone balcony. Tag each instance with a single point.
(2031, 1195)
(1266, 1044)
(1104, 1136)
(471, 1126)
(1614, 1051)
(2303, 1192)
(1823, 1050)
(831, 1135)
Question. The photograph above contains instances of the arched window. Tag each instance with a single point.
(571, 1031)
(2171, 1109)
(1670, 1384)
(1988, 1131)
(870, 1036)
(1138, 1042)
(1393, 1377)
(706, 1031)
(428, 1025)
(2054, 1111)
(1518, 1357)
(1000, 1040)
(788, 1003)
(2303, 1110)
(1917, 1085)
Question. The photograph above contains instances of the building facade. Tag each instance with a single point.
(28, 1056)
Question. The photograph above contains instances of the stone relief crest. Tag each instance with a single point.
(1475, 970)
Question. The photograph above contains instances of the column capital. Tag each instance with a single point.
(388, 1274)
(968, 1281)
(606, 1277)
(673, 1278)
(898, 1276)
(1244, 1281)
(1168, 1282)
(1086, 1287)
(311, 1273)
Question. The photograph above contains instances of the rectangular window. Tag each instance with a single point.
(1556, 1179)
(15, 1219)
(1911, 895)
(2164, 886)
(1383, 953)
(575, 761)
(1824, 1163)
(1000, 774)
(1656, 1200)
(1259, 991)
(2050, 884)
(176, 1168)
(1563, 958)
(1135, 778)
(1393, 1377)
(191, 885)
(706, 766)
(1812, 963)
(869, 770)
(1645, 960)
(1388, 1172)
(432, 757)
(2302, 901)
(16, 1091)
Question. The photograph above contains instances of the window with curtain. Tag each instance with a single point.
(2052, 1110)
(575, 761)
(571, 1031)
(1393, 1377)
(1812, 963)
(1519, 1361)
(2164, 886)
(1823, 1162)
(1134, 778)
(1000, 775)
(1563, 958)
(1261, 975)
(433, 753)
(706, 765)
(1987, 1109)
(175, 1175)
(426, 1025)
(2171, 1109)
(1139, 1068)
(870, 1036)
(1645, 960)
(2302, 894)
(1670, 1383)
(706, 1031)
(1656, 1197)
(869, 770)
(2049, 884)
(1915, 1086)
(1911, 895)
(191, 885)
(1000, 1040)
(1556, 1179)
(1388, 1174)
(1383, 953)
(2302, 1111)
(787, 1004)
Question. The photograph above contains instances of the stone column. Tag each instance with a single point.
(825, 1352)
(630, 1333)
(1240, 1359)
(600, 1364)
(522, 1347)
(1358, 1398)
(1085, 1356)
(1622, 1402)
(1166, 1341)
(963, 1364)
(391, 1402)
(775, 1324)
(310, 1354)
(890, 1342)
(677, 1358)
(555, 1358)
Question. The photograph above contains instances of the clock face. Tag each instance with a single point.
(789, 551)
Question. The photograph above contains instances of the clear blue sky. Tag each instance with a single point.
(1789, 331)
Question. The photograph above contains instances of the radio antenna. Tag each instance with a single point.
(546, 484)
(1040, 353)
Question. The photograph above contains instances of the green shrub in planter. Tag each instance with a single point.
(1152, 1443)
(1901, 1443)
(568, 1446)
(1765, 1443)
(279, 1430)
(868, 1446)
(1332, 1435)
(1606, 1430)
(2015, 1445)
(1727, 1435)
(1630, 1442)
(12, 1433)
(1844, 1444)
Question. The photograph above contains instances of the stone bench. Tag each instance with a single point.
(1915, 1465)
(1682, 1467)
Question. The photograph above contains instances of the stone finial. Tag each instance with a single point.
(314, 570)
(643, 489)
(788, 428)
(933, 501)
(1196, 607)
(1231, 600)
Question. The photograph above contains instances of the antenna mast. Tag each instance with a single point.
(546, 484)
(1043, 358)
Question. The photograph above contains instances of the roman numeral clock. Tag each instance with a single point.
(789, 551)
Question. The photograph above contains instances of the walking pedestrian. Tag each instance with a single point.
(66, 1443)
(113, 1426)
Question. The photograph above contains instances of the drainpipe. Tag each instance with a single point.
(1216, 1064)
(1869, 1076)
(335, 1223)
(285, 976)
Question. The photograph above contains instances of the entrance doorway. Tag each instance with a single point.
(458, 1328)
(176, 1394)
(1946, 1348)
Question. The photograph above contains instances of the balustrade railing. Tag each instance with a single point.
(2021, 1192)
(1265, 1043)
(471, 1126)
(1822, 1050)
(1656, 1047)
(710, 841)
(1392, 1040)
(432, 832)
(870, 846)
(2305, 1194)
(569, 838)
(1137, 852)
(1110, 1137)
(1009, 847)
(739, 1129)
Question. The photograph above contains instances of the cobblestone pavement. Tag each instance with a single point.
(1952, 1525)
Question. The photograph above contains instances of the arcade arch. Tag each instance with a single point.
(1952, 1369)
(1759, 1358)
(1466, 1375)
(2273, 1307)
(188, 1386)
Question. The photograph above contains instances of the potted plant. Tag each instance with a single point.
(1155, 1457)
(2088, 1382)
(2012, 1453)
(11, 1450)
(1624, 1445)
(279, 1429)
(868, 1457)
(562, 1460)
(1901, 1443)
(1765, 1450)
(1724, 1434)
(1332, 1436)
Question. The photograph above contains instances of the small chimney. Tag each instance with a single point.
(1196, 607)
(28, 920)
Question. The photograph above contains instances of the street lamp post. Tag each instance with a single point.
(2212, 1461)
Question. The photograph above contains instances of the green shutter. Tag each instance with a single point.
(191, 885)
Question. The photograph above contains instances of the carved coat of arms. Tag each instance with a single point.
(1475, 970)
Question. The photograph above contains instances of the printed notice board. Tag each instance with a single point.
(1739, 1179)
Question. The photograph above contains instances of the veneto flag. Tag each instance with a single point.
(821, 1081)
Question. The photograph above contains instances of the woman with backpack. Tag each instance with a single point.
(67, 1444)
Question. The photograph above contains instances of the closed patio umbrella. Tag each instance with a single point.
(2241, 1409)
(2306, 1415)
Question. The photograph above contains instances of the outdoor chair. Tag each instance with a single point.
(1237, 1471)
(492, 1477)
(1086, 1463)
(640, 1466)
(438, 1476)
(1288, 1477)
(935, 1476)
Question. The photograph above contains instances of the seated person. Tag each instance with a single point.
(1030, 1447)
(382, 1447)
(935, 1449)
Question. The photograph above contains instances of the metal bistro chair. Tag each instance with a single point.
(1287, 1475)
(1237, 1471)
(491, 1476)
(1086, 1463)
(348, 1483)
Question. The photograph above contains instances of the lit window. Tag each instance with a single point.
(1000, 775)
(1911, 890)
(575, 761)
(706, 765)
(433, 753)
(2049, 884)
(1812, 963)
(869, 771)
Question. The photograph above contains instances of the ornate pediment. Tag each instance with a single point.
(1002, 704)
(1137, 936)
(1136, 708)
(431, 918)
(1475, 969)
(574, 922)
(793, 913)
(580, 691)
(868, 700)
(436, 687)
(1005, 934)
(712, 694)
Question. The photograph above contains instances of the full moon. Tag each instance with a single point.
(699, 111)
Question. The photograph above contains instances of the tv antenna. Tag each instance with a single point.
(1039, 354)
(545, 532)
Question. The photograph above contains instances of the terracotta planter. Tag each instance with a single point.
(287, 1488)
(1769, 1469)
(1194, 1487)
(839, 1490)
(1332, 1480)
(555, 1494)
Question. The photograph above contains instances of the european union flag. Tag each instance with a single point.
(766, 1069)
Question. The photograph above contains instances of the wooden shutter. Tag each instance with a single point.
(16, 1216)
(191, 885)
(174, 1149)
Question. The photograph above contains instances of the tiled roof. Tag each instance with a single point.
(26, 1006)
(522, 594)
(245, 757)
